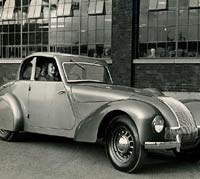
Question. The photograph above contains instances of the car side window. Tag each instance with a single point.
(46, 70)
(26, 70)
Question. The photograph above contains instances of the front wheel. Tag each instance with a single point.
(123, 145)
(6, 135)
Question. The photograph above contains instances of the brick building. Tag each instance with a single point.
(150, 43)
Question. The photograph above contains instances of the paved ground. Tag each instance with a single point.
(43, 157)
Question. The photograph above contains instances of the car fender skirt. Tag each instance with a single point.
(11, 117)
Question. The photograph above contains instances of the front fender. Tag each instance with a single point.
(194, 107)
(11, 117)
(140, 112)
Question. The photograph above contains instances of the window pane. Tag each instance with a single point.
(38, 11)
(100, 37)
(108, 7)
(144, 4)
(183, 33)
(171, 31)
(153, 19)
(151, 52)
(68, 23)
(162, 34)
(84, 37)
(161, 50)
(91, 37)
(99, 7)
(143, 35)
(171, 18)
(182, 49)
(92, 7)
(162, 4)
(10, 13)
(107, 37)
(193, 32)
(32, 9)
(5, 10)
(67, 10)
(76, 23)
(108, 22)
(183, 17)
(143, 19)
(60, 38)
(153, 4)
(162, 18)
(11, 9)
(68, 37)
(183, 4)
(61, 6)
(152, 35)
(192, 49)
(143, 50)
(75, 37)
(172, 4)
(100, 22)
(170, 51)
(84, 22)
(193, 3)
(92, 22)
(193, 16)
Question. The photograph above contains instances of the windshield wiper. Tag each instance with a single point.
(78, 64)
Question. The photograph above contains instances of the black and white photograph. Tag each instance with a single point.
(99, 89)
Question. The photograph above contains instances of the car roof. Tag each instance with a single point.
(62, 57)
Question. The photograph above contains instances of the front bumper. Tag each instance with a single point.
(165, 145)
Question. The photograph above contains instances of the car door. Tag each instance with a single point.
(22, 86)
(49, 105)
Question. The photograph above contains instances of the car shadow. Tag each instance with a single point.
(160, 161)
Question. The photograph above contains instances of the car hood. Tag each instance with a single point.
(92, 92)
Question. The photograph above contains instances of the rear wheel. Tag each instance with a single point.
(123, 146)
(6, 135)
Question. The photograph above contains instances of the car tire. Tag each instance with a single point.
(6, 135)
(123, 146)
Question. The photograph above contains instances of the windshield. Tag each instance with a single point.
(82, 71)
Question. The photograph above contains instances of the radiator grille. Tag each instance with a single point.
(183, 116)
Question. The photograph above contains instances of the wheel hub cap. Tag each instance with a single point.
(123, 144)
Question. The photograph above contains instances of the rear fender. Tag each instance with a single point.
(141, 113)
(11, 117)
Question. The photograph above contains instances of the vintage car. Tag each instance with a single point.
(82, 103)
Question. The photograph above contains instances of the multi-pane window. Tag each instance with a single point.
(170, 31)
(35, 9)
(157, 4)
(56, 25)
(8, 10)
(96, 7)
(64, 8)
(194, 3)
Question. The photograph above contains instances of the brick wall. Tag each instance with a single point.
(8, 72)
(122, 13)
(168, 77)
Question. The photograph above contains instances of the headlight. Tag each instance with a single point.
(158, 124)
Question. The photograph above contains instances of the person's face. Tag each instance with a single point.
(51, 69)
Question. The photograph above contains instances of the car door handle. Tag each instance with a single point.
(61, 92)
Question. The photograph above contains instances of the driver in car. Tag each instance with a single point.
(50, 73)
